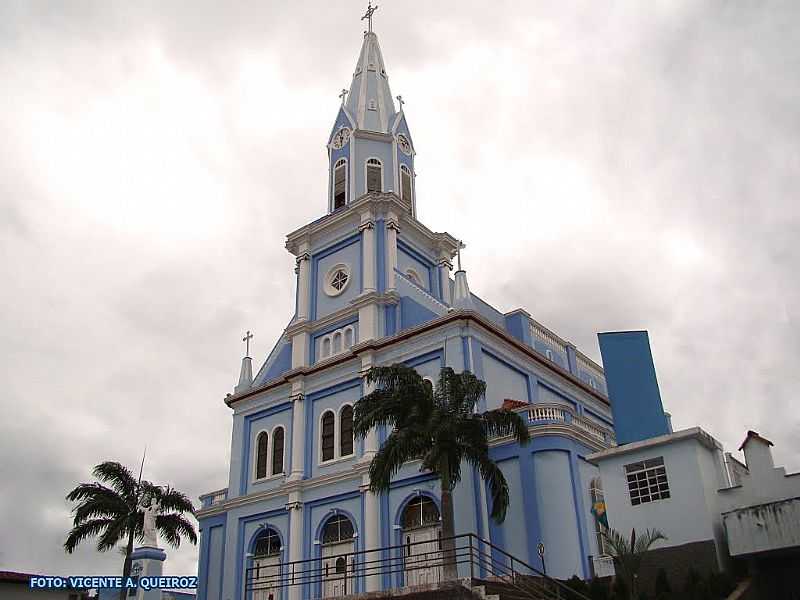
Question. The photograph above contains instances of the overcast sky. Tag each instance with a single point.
(609, 165)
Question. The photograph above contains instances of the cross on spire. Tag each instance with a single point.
(460, 246)
(368, 15)
(400, 101)
(343, 95)
(246, 339)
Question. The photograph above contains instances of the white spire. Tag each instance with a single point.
(370, 100)
(245, 376)
(462, 298)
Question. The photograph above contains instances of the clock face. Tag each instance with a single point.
(341, 137)
(404, 144)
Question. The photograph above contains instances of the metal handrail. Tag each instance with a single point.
(467, 549)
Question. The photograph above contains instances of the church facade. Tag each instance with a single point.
(376, 286)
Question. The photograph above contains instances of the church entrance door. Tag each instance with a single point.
(338, 567)
(266, 572)
(422, 535)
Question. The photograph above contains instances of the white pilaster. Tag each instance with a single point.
(371, 440)
(445, 266)
(371, 533)
(295, 510)
(367, 229)
(298, 431)
(299, 349)
(303, 283)
(392, 227)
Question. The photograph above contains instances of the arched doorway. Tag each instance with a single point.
(338, 544)
(422, 541)
(265, 574)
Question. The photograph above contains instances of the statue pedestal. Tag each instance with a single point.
(146, 561)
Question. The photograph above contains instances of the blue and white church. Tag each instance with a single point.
(376, 286)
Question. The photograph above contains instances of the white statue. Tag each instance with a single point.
(150, 511)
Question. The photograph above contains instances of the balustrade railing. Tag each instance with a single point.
(423, 562)
(542, 414)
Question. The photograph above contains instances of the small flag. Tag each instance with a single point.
(599, 512)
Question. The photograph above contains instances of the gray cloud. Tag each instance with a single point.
(634, 167)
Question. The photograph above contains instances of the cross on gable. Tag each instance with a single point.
(246, 339)
(368, 15)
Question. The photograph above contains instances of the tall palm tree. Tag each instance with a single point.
(111, 513)
(440, 427)
(628, 555)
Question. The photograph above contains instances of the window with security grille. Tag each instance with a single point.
(337, 529)
(647, 480)
(268, 543)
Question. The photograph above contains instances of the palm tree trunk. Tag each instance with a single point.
(126, 569)
(448, 528)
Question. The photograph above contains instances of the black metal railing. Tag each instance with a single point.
(413, 563)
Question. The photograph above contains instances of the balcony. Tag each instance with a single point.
(213, 498)
(559, 414)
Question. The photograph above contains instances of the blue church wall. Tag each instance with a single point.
(558, 357)
(253, 424)
(406, 261)
(557, 506)
(277, 364)
(365, 149)
(551, 395)
(318, 403)
(518, 325)
(489, 311)
(503, 381)
(507, 534)
(413, 313)
(212, 558)
(347, 252)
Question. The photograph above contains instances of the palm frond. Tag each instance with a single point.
(118, 476)
(174, 527)
(114, 533)
(503, 422)
(85, 530)
(650, 537)
(495, 480)
(400, 447)
(171, 499)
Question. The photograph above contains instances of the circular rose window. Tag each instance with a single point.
(337, 280)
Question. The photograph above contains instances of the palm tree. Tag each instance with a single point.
(111, 513)
(628, 555)
(440, 427)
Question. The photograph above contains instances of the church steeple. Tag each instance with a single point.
(370, 101)
(370, 147)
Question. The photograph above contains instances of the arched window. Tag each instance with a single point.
(339, 183)
(326, 347)
(268, 543)
(348, 337)
(337, 342)
(374, 175)
(346, 431)
(277, 451)
(405, 184)
(420, 512)
(415, 278)
(337, 529)
(598, 502)
(261, 455)
(327, 435)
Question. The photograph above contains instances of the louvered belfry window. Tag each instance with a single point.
(405, 183)
(327, 436)
(340, 184)
(346, 433)
(374, 172)
(261, 455)
(277, 451)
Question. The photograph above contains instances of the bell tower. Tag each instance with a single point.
(370, 147)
